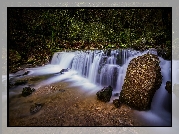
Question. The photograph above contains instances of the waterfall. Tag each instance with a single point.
(161, 96)
(160, 112)
(94, 67)
(63, 59)
(104, 68)
(109, 75)
(93, 70)
(101, 67)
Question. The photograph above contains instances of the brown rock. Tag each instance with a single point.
(116, 103)
(105, 94)
(168, 87)
(35, 108)
(143, 78)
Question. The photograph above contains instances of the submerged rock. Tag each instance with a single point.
(26, 72)
(108, 52)
(35, 108)
(13, 83)
(143, 78)
(105, 94)
(116, 94)
(27, 91)
(168, 87)
(20, 82)
(21, 72)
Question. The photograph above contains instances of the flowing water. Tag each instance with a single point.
(92, 70)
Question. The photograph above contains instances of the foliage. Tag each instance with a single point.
(39, 32)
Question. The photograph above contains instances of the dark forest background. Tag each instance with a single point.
(34, 34)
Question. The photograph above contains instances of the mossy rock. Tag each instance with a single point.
(143, 78)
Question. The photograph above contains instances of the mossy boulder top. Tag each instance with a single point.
(143, 78)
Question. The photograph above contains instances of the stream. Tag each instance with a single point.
(92, 70)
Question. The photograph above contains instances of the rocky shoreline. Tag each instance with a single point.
(61, 105)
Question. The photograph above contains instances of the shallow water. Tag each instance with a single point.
(84, 75)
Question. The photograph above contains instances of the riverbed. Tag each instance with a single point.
(65, 105)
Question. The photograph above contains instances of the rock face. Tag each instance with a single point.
(168, 87)
(105, 94)
(143, 78)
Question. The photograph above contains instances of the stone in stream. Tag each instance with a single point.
(27, 91)
(168, 87)
(143, 78)
(17, 83)
(35, 108)
(64, 70)
(116, 94)
(105, 94)
(21, 72)
(20, 82)
(116, 103)
(26, 73)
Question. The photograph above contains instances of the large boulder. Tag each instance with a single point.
(105, 94)
(143, 78)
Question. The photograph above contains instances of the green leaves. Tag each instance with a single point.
(49, 29)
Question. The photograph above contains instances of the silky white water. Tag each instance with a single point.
(92, 70)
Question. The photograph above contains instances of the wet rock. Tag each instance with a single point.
(21, 72)
(11, 84)
(64, 70)
(109, 52)
(116, 103)
(116, 94)
(20, 82)
(168, 87)
(61, 90)
(26, 73)
(105, 94)
(27, 91)
(35, 108)
(143, 78)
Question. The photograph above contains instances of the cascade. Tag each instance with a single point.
(63, 59)
(99, 68)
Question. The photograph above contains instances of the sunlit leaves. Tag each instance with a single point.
(54, 28)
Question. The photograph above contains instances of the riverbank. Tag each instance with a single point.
(67, 106)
